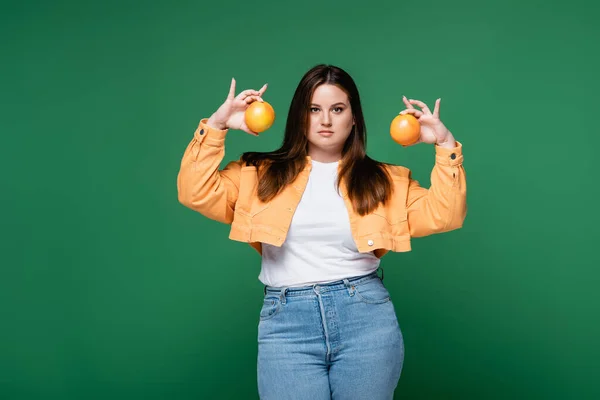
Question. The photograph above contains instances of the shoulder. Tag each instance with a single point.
(398, 172)
(242, 166)
(234, 165)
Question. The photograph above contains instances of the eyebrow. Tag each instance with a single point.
(336, 104)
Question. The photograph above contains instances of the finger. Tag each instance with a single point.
(252, 99)
(231, 94)
(263, 89)
(413, 111)
(407, 103)
(245, 128)
(415, 143)
(422, 105)
(436, 109)
(247, 93)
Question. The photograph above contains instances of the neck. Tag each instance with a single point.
(324, 156)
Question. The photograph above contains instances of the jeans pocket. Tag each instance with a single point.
(271, 306)
(372, 291)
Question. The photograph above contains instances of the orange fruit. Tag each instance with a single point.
(259, 116)
(405, 129)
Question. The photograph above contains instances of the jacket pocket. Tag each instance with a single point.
(387, 221)
(247, 189)
(394, 211)
(254, 208)
(392, 215)
(248, 203)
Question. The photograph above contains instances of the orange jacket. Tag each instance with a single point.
(229, 196)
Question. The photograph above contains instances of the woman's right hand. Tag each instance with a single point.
(231, 113)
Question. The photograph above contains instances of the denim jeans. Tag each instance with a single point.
(338, 340)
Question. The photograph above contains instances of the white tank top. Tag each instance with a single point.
(319, 247)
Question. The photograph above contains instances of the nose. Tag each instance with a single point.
(326, 119)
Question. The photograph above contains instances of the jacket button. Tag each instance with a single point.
(202, 131)
(370, 243)
(453, 156)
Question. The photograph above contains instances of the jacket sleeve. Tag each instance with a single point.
(201, 186)
(442, 207)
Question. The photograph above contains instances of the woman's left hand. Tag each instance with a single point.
(432, 128)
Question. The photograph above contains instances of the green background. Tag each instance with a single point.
(111, 289)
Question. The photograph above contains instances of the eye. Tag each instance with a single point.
(338, 109)
(314, 109)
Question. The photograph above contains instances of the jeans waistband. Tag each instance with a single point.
(322, 287)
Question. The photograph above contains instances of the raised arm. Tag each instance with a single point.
(201, 186)
(442, 207)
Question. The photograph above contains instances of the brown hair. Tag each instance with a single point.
(367, 180)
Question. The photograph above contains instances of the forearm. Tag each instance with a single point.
(442, 207)
(201, 186)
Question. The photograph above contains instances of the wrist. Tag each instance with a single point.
(449, 142)
(216, 124)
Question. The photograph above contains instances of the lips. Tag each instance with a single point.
(325, 133)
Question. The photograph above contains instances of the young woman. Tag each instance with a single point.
(322, 214)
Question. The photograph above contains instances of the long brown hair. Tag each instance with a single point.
(367, 180)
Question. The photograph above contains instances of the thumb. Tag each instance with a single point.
(245, 128)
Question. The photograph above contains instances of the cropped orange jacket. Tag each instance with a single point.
(229, 196)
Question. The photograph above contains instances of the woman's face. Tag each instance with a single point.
(331, 122)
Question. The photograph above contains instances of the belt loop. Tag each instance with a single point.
(349, 286)
(282, 295)
(265, 290)
(381, 268)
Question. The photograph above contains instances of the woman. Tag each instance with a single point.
(322, 214)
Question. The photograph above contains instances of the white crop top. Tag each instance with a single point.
(319, 247)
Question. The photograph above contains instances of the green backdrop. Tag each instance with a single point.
(111, 289)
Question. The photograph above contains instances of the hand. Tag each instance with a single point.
(432, 128)
(231, 113)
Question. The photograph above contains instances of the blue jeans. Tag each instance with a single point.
(338, 340)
